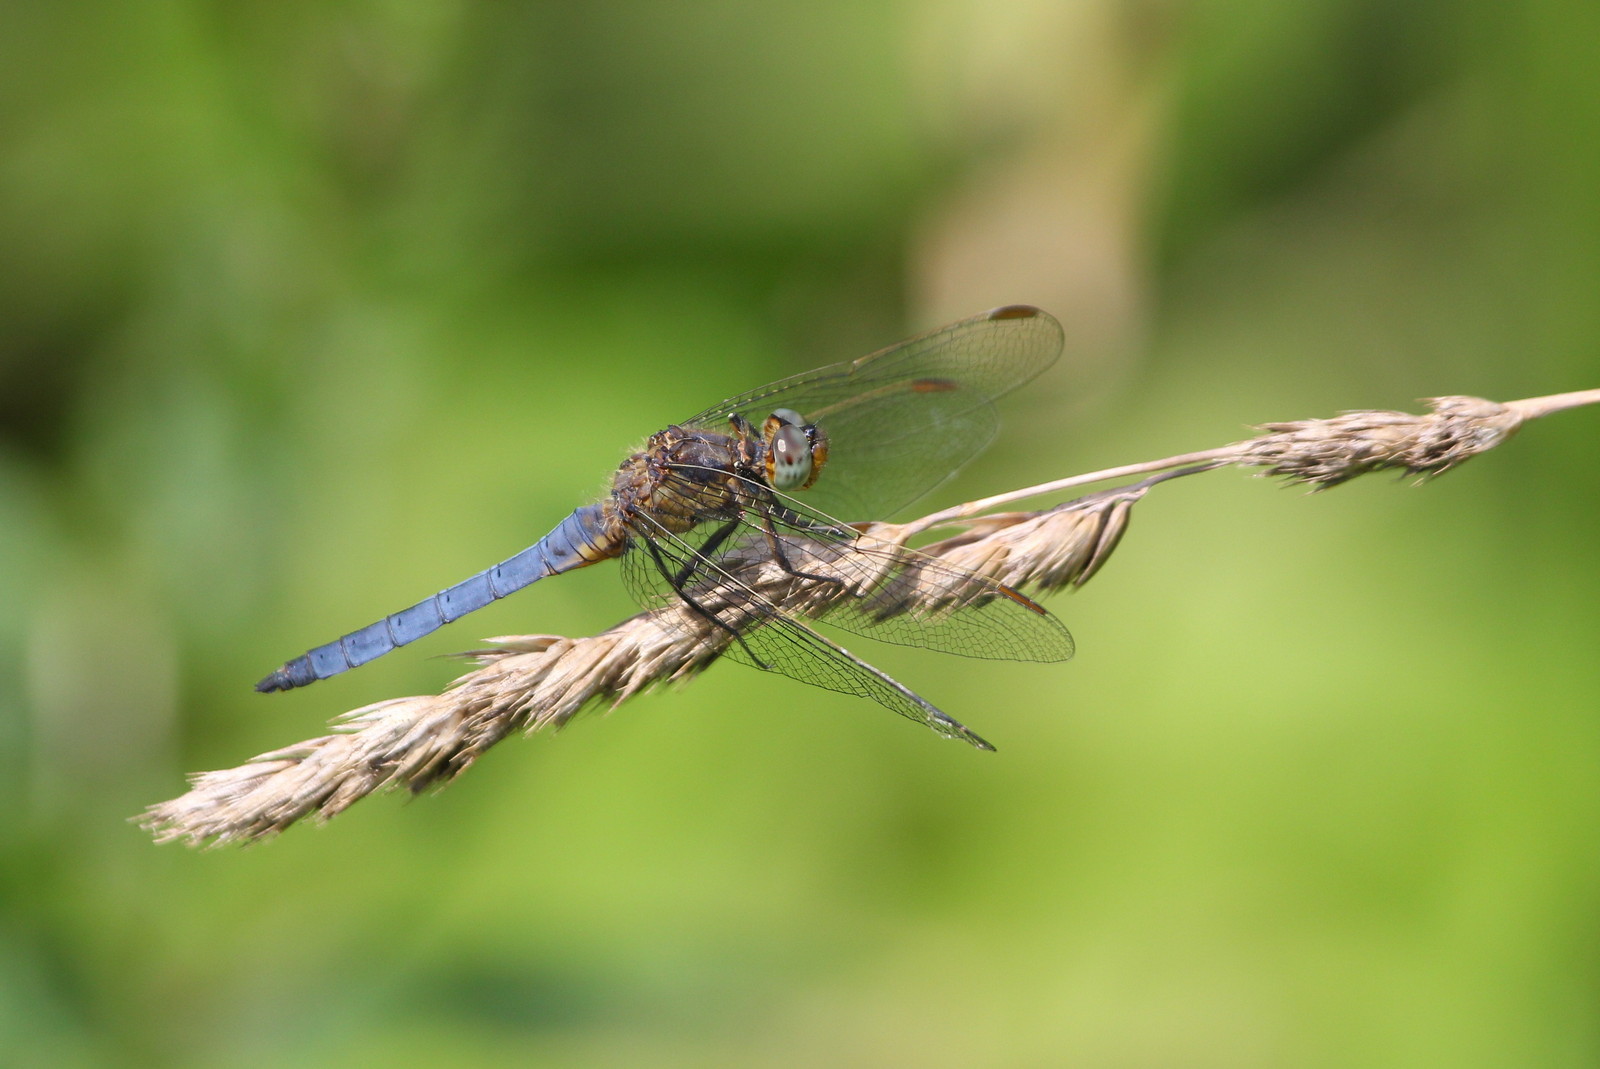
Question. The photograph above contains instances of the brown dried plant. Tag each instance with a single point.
(537, 681)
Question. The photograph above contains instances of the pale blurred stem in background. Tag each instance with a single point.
(536, 681)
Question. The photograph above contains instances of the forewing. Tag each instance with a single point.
(902, 420)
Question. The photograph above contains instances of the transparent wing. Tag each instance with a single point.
(763, 636)
(902, 420)
(817, 567)
(895, 594)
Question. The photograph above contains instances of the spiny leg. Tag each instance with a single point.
(706, 549)
(695, 606)
(775, 545)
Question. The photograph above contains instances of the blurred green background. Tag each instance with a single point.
(307, 310)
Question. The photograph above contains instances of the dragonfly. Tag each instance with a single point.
(721, 513)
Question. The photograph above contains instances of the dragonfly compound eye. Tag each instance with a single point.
(789, 464)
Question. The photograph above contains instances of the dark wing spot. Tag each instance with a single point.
(1014, 311)
(933, 385)
(1023, 600)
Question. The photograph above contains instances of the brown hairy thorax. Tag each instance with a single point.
(682, 478)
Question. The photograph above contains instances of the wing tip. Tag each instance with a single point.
(951, 728)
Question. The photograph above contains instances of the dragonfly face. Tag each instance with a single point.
(705, 517)
(795, 450)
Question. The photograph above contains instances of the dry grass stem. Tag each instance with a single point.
(527, 683)
(523, 684)
(1327, 452)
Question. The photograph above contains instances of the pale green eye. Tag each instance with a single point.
(790, 458)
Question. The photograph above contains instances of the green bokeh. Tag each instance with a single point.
(307, 310)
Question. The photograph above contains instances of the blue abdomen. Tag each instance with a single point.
(578, 540)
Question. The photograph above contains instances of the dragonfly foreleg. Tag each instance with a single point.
(775, 545)
(706, 549)
(678, 587)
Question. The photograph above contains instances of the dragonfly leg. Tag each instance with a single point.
(775, 544)
(699, 609)
(710, 546)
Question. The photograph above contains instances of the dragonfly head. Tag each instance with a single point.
(796, 450)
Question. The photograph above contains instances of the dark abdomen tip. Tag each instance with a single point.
(294, 674)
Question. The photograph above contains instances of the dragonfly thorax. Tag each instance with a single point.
(684, 477)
